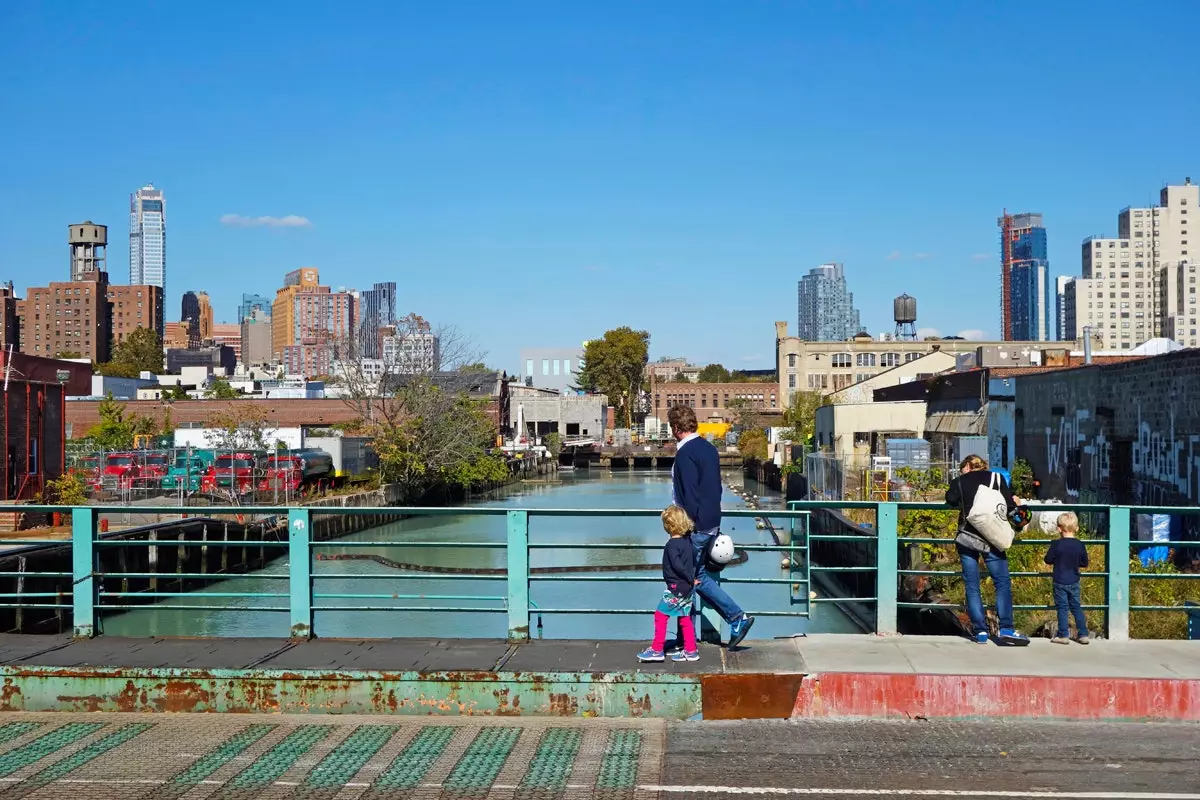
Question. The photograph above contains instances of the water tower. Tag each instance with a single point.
(904, 310)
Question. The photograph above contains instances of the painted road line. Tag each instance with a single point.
(983, 793)
(43, 746)
(279, 759)
(337, 768)
(476, 771)
(79, 758)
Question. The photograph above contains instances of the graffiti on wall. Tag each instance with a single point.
(1165, 462)
(1074, 451)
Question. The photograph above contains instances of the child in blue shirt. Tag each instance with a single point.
(1068, 555)
(679, 574)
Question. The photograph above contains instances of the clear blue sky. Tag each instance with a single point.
(536, 172)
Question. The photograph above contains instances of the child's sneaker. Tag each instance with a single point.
(1012, 638)
(982, 637)
(651, 655)
(684, 655)
(1061, 640)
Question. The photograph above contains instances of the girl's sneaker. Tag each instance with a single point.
(684, 655)
(981, 637)
(1012, 638)
(651, 655)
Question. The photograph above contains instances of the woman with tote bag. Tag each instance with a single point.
(974, 544)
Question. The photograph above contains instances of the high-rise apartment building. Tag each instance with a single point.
(133, 307)
(1142, 284)
(415, 350)
(88, 243)
(189, 315)
(826, 306)
(283, 310)
(148, 240)
(1028, 293)
(251, 302)
(1060, 308)
(377, 307)
(69, 317)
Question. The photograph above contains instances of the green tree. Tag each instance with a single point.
(616, 366)
(753, 444)
(116, 430)
(554, 443)
(714, 373)
(176, 392)
(744, 415)
(67, 489)
(140, 351)
(240, 427)
(680, 378)
(68, 354)
(801, 416)
(219, 389)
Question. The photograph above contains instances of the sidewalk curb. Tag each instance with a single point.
(881, 696)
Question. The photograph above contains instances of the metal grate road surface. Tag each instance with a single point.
(228, 757)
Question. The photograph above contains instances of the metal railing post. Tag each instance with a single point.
(1118, 573)
(300, 572)
(887, 560)
(518, 575)
(83, 571)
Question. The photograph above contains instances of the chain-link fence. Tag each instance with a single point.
(871, 478)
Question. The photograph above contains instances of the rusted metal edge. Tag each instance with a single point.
(412, 693)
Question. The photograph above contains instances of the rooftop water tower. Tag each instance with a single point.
(904, 310)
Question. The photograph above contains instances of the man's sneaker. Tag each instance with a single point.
(739, 629)
(684, 655)
(1013, 639)
(981, 637)
(1082, 639)
(1061, 640)
(650, 654)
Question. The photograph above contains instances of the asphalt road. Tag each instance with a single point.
(932, 759)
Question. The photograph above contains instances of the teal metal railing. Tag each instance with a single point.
(90, 590)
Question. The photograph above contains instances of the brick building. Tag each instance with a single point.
(10, 318)
(69, 317)
(32, 420)
(709, 399)
(134, 307)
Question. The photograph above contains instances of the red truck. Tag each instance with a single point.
(296, 470)
(120, 470)
(238, 471)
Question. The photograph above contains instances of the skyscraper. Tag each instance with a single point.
(826, 306)
(148, 240)
(1061, 285)
(378, 310)
(1025, 277)
(251, 302)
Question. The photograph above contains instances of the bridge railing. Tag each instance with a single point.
(142, 579)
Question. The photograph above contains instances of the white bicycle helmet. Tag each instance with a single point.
(722, 549)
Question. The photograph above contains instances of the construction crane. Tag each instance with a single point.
(1006, 238)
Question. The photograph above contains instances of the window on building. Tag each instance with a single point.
(791, 359)
(792, 381)
(556, 366)
(866, 359)
(566, 366)
(842, 360)
(818, 381)
(545, 366)
(889, 360)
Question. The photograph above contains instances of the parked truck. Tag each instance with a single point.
(296, 471)
(353, 459)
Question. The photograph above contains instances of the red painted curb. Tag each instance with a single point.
(881, 695)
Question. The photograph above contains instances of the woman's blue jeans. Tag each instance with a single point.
(997, 567)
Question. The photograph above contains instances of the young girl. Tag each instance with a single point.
(679, 572)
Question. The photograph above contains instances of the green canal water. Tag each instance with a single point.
(243, 616)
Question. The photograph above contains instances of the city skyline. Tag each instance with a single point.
(561, 150)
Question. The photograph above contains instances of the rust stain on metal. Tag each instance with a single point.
(639, 706)
(563, 704)
(10, 696)
(749, 695)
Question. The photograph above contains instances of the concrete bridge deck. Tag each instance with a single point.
(820, 676)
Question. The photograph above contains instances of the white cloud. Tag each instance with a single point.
(981, 257)
(922, 256)
(755, 357)
(290, 221)
(925, 332)
(973, 334)
(895, 255)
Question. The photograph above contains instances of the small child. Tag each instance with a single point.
(1068, 556)
(679, 572)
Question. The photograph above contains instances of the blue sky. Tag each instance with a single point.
(535, 172)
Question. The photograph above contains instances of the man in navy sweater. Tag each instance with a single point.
(696, 487)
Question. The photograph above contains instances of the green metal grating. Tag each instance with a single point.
(212, 761)
(409, 768)
(79, 758)
(39, 748)
(340, 766)
(618, 769)
(476, 771)
(15, 730)
(276, 761)
(555, 757)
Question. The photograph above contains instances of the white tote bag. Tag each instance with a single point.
(989, 515)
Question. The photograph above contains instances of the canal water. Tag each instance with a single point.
(244, 616)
